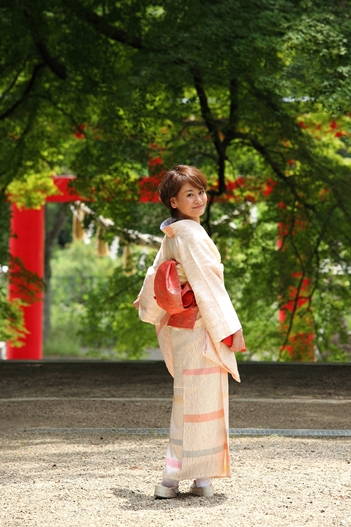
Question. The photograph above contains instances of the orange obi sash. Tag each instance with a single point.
(175, 298)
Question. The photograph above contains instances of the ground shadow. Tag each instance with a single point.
(140, 501)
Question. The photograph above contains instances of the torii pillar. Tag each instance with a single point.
(27, 243)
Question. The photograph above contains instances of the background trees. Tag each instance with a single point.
(255, 93)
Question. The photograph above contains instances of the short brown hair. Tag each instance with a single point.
(173, 181)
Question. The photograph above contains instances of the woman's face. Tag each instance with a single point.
(190, 202)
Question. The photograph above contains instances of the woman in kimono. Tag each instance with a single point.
(198, 331)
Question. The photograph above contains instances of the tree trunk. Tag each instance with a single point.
(51, 234)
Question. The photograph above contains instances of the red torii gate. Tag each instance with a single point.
(27, 244)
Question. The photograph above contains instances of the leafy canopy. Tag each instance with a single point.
(257, 89)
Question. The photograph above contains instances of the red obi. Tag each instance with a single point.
(175, 298)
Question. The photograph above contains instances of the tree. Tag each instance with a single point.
(228, 86)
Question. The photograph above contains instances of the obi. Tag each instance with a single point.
(175, 298)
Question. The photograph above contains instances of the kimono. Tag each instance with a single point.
(196, 358)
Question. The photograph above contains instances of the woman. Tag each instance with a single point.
(198, 332)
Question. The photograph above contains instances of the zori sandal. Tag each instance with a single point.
(205, 492)
(166, 492)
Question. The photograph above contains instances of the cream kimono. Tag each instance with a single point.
(196, 358)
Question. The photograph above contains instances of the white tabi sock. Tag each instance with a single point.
(203, 482)
(169, 483)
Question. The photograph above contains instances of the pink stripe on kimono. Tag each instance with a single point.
(174, 463)
(202, 418)
(204, 371)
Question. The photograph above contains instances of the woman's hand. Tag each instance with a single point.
(238, 342)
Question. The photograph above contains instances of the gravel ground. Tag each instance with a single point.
(135, 394)
(91, 478)
(84, 480)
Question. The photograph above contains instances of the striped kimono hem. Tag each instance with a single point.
(198, 443)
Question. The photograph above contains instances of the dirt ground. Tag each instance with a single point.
(65, 460)
(139, 394)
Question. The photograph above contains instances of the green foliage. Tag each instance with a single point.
(31, 191)
(11, 319)
(92, 312)
(75, 270)
(110, 320)
(332, 321)
(12, 328)
(64, 339)
(4, 231)
(78, 260)
(258, 89)
(246, 247)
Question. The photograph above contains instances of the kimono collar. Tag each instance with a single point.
(171, 227)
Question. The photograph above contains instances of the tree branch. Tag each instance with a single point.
(303, 269)
(56, 67)
(230, 128)
(206, 112)
(13, 82)
(26, 92)
(127, 235)
(51, 235)
(101, 25)
(60, 109)
(53, 63)
(261, 149)
(213, 130)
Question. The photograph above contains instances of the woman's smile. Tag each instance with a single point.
(190, 202)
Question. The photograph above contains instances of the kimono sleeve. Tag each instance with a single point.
(149, 310)
(201, 263)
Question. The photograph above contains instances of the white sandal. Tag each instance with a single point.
(166, 492)
(205, 492)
